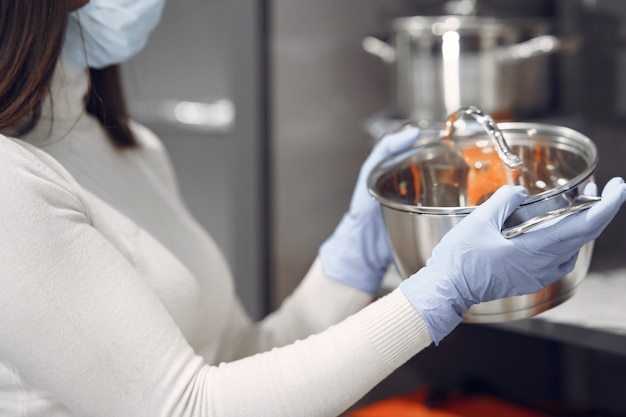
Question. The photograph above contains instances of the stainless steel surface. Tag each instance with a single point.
(322, 88)
(441, 63)
(461, 7)
(557, 163)
(510, 160)
(581, 202)
(541, 45)
(214, 117)
(202, 51)
(523, 306)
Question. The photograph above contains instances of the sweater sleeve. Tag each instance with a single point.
(316, 303)
(79, 323)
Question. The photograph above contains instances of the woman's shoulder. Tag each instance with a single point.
(24, 168)
(156, 152)
(17, 155)
(146, 137)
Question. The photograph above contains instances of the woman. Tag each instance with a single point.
(115, 302)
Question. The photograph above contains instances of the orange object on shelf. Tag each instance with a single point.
(417, 404)
(411, 405)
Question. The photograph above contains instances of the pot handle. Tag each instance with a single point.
(579, 203)
(509, 159)
(540, 45)
(379, 48)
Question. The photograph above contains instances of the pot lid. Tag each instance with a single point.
(435, 177)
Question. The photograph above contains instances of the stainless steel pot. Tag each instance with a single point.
(428, 189)
(441, 63)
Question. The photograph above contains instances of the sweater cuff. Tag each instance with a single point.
(396, 328)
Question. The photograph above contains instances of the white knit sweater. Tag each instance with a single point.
(114, 302)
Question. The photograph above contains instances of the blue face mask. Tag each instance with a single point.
(108, 32)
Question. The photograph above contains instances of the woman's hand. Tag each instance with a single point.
(474, 262)
(358, 252)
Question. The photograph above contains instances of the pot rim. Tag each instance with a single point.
(558, 133)
(437, 25)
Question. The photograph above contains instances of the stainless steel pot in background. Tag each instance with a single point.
(427, 190)
(441, 63)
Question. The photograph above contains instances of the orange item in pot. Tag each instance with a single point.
(486, 173)
(417, 183)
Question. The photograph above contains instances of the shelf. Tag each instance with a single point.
(595, 317)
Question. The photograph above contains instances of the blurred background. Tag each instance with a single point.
(269, 107)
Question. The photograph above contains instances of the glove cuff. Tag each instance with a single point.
(436, 299)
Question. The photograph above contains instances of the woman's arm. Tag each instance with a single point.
(81, 324)
(317, 302)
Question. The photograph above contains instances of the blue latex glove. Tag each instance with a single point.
(474, 263)
(358, 252)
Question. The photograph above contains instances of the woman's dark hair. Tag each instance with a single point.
(106, 102)
(31, 38)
